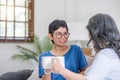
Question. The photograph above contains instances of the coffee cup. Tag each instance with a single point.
(47, 60)
(61, 59)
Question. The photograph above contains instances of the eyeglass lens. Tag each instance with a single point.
(60, 35)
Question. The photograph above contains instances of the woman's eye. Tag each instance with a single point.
(59, 34)
(65, 33)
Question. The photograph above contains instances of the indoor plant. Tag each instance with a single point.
(40, 46)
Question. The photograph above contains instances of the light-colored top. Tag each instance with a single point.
(106, 66)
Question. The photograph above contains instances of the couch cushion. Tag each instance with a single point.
(18, 75)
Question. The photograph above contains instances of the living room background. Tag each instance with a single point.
(75, 12)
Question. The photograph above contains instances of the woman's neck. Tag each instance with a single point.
(60, 50)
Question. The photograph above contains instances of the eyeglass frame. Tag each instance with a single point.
(61, 35)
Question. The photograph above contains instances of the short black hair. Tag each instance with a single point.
(57, 24)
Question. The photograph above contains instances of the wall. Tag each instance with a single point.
(45, 12)
(84, 9)
(75, 12)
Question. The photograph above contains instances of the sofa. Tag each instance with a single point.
(17, 75)
(28, 74)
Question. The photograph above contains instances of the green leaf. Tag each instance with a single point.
(27, 54)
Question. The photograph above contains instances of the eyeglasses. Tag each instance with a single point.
(60, 35)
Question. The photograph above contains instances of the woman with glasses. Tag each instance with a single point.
(105, 37)
(75, 60)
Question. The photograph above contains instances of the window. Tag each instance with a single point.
(16, 20)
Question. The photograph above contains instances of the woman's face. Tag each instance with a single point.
(93, 43)
(60, 36)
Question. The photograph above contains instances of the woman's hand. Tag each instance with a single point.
(69, 75)
(47, 71)
(56, 65)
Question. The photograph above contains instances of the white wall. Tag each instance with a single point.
(84, 9)
(75, 12)
(45, 12)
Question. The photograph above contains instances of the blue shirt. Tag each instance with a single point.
(74, 61)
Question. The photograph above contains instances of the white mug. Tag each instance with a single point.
(61, 59)
(46, 61)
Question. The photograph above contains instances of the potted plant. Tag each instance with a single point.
(40, 46)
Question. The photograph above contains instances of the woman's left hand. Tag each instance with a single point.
(56, 66)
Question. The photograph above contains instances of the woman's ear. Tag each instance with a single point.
(50, 36)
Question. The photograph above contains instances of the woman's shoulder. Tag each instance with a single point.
(75, 48)
(47, 53)
(108, 52)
